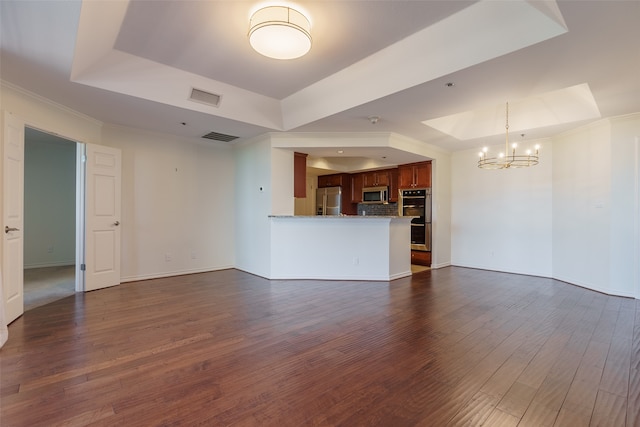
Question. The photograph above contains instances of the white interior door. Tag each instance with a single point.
(13, 218)
(102, 217)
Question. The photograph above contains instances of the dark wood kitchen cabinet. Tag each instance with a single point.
(414, 175)
(393, 185)
(356, 188)
(381, 178)
(299, 175)
(375, 178)
(421, 258)
(334, 180)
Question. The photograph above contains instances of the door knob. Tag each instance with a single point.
(117, 223)
(8, 229)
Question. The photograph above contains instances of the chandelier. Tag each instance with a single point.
(508, 159)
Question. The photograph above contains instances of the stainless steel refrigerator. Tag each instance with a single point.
(328, 201)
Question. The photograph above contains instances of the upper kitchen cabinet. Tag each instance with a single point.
(415, 175)
(393, 185)
(380, 178)
(375, 178)
(356, 188)
(335, 180)
(299, 175)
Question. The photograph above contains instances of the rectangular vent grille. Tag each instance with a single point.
(219, 137)
(205, 97)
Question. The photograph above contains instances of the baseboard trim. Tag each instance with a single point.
(172, 273)
(50, 264)
(441, 265)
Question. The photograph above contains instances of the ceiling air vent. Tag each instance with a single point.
(219, 137)
(203, 97)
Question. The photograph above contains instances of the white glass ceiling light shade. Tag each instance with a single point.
(280, 32)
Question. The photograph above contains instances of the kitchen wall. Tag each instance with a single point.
(441, 174)
(389, 209)
(307, 205)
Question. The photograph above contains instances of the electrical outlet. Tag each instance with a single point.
(50, 249)
(356, 260)
(194, 255)
(167, 257)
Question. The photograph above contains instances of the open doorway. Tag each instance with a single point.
(49, 218)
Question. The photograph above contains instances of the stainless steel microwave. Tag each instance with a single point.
(373, 195)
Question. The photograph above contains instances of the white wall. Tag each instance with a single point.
(625, 206)
(43, 114)
(574, 217)
(188, 213)
(329, 248)
(40, 113)
(264, 178)
(582, 206)
(253, 205)
(282, 200)
(49, 201)
(501, 219)
(177, 204)
(441, 209)
(596, 206)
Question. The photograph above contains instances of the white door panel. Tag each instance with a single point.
(102, 221)
(13, 219)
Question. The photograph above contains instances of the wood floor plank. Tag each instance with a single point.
(517, 399)
(615, 376)
(609, 410)
(454, 346)
(499, 418)
(573, 416)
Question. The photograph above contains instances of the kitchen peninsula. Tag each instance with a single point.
(340, 247)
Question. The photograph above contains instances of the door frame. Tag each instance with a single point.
(80, 199)
(80, 214)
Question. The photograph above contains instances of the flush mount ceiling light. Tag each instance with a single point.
(280, 32)
(508, 160)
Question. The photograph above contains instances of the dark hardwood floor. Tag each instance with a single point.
(447, 347)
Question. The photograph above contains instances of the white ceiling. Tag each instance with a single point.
(133, 63)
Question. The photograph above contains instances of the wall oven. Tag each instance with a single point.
(417, 202)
